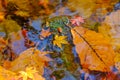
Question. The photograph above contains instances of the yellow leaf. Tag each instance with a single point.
(117, 57)
(28, 73)
(6, 74)
(29, 58)
(22, 13)
(94, 50)
(59, 40)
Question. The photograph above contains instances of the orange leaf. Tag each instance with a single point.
(7, 64)
(2, 16)
(95, 51)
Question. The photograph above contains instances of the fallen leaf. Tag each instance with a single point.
(30, 58)
(22, 13)
(2, 16)
(8, 26)
(24, 33)
(87, 7)
(117, 61)
(94, 50)
(38, 77)
(7, 64)
(59, 40)
(3, 43)
(28, 73)
(6, 74)
(114, 29)
(77, 20)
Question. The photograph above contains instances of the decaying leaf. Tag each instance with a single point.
(59, 40)
(30, 58)
(94, 50)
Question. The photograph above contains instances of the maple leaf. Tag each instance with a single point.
(29, 58)
(94, 50)
(28, 73)
(31, 73)
(59, 40)
(77, 20)
(44, 33)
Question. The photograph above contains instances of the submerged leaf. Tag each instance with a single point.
(9, 26)
(59, 40)
(30, 72)
(94, 50)
(30, 58)
(2, 16)
(77, 20)
(22, 13)
(6, 74)
(117, 61)
(57, 22)
(114, 28)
